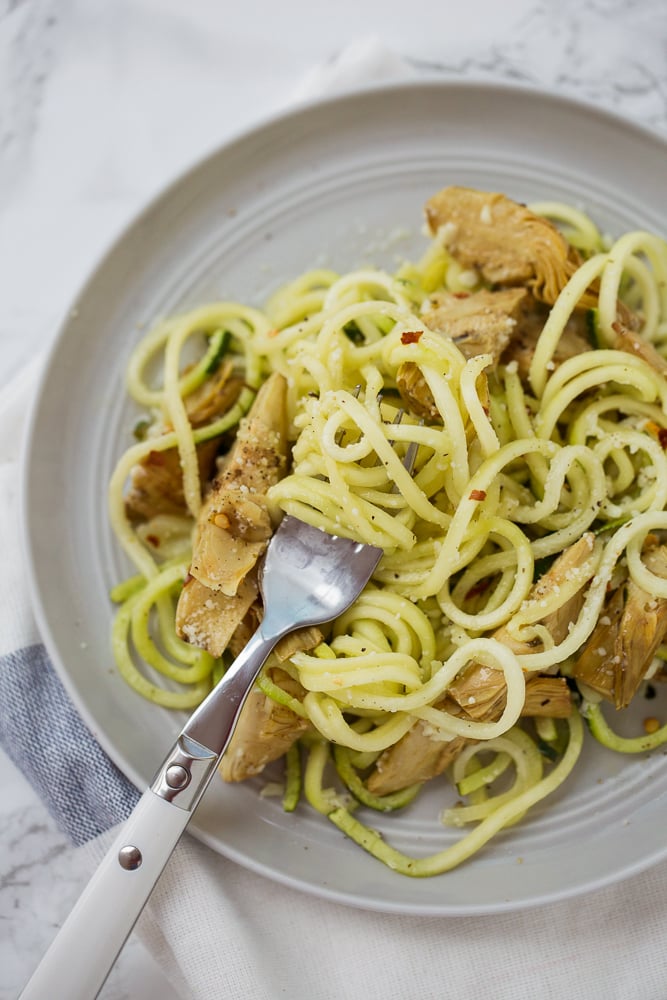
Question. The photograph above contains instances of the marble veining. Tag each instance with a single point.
(27, 30)
(611, 52)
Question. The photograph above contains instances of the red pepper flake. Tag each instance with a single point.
(188, 579)
(478, 589)
(477, 495)
(461, 295)
(154, 540)
(411, 336)
(273, 333)
(657, 432)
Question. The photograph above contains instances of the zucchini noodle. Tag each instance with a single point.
(520, 457)
(507, 811)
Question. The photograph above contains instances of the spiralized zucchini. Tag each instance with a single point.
(508, 473)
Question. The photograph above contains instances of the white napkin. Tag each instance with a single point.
(363, 62)
(219, 931)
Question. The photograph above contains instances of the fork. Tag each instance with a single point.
(308, 577)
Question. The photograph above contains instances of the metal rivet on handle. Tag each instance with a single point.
(176, 776)
(129, 857)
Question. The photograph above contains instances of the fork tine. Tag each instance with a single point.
(413, 447)
(340, 436)
(411, 454)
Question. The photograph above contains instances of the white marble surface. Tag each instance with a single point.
(101, 103)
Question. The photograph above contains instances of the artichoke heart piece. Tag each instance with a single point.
(630, 629)
(573, 340)
(234, 525)
(208, 618)
(156, 483)
(504, 241)
(419, 756)
(481, 322)
(506, 324)
(265, 731)
(416, 757)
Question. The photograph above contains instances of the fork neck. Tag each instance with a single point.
(212, 724)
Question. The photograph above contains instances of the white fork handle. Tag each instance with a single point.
(80, 958)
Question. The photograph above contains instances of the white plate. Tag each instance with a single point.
(340, 183)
